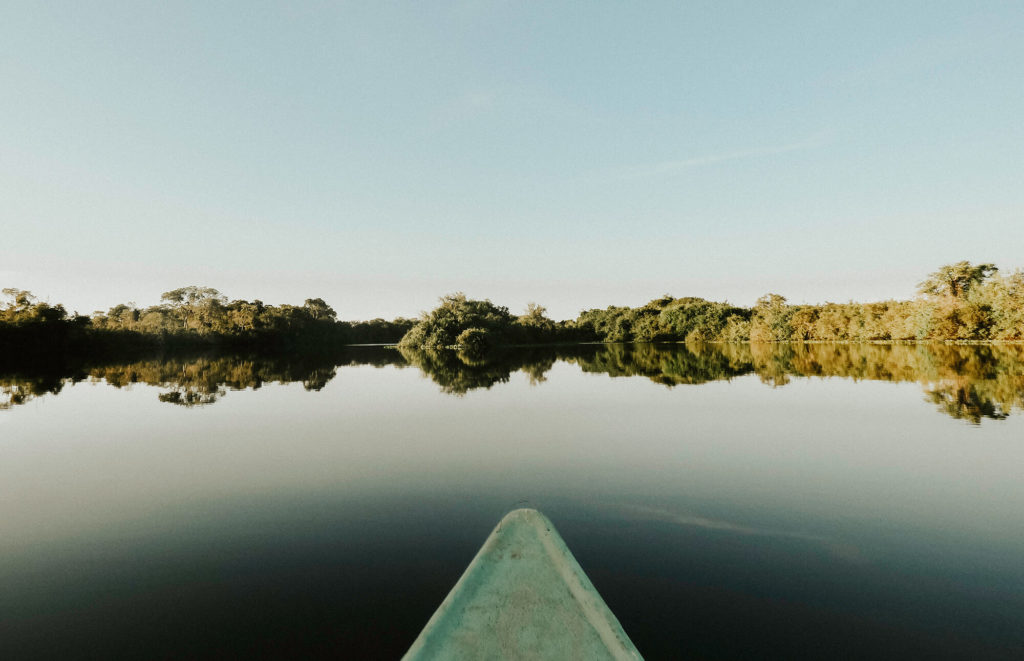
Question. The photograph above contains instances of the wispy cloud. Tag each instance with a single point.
(663, 168)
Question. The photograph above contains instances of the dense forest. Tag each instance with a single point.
(958, 302)
(187, 318)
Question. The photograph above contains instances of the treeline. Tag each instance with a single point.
(959, 302)
(189, 317)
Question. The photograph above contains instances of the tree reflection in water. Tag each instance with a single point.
(191, 380)
(966, 382)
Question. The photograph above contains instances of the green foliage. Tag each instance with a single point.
(697, 320)
(772, 319)
(958, 302)
(474, 341)
(187, 317)
(203, 314)
(22, 308)
(955, 280)
(379, 331)
(448, 323)
(667, 319)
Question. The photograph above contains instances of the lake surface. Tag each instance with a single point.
(808, 501)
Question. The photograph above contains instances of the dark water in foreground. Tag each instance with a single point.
(728, 502)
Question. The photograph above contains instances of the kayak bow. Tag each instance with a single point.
(523, 596)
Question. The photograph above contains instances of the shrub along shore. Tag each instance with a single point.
(958, 302)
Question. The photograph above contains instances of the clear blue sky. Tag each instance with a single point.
(379, 155)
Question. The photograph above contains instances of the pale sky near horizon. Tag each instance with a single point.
(379, 155)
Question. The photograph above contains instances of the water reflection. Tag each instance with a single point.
(190, 380)
(459, 372)
(779, 516)
(965, 382)
(20, 388)
(970, 383)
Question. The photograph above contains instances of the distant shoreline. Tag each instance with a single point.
(959, 303)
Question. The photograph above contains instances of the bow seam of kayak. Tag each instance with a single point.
(584, 597)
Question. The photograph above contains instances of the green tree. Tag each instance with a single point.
(196, 307)
(20, 299)
(955, 280)
(771, 319)
(318, 310)
(474, 341)
(456, 313)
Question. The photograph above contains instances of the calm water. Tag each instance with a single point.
(728, 502)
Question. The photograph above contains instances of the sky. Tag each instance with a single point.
(382, 154)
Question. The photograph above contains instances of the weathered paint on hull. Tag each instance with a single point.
(524, 596)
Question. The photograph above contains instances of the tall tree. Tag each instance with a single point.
(21, 299)
(955, 280)
(188, 302)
